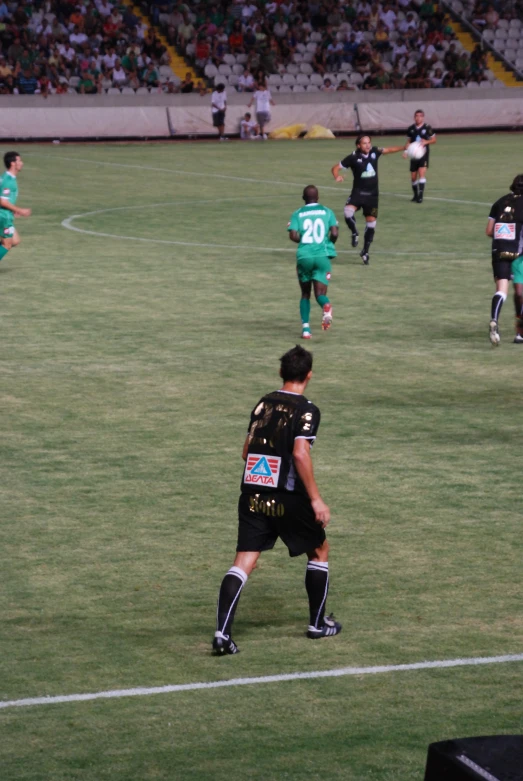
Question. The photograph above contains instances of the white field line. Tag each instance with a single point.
(68, 224)
(338, 673)
(207, 175)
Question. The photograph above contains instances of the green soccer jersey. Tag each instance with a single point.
(9, 188)
(313, 223)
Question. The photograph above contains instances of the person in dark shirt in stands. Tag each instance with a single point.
(27, 82)
(187, 84)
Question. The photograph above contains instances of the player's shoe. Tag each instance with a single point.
(264, 136)
(518, 339)
(365, 257)
(354, 239)
(329, 629)
(414, 200)
(223, 645)
(494, 333)
(306, 333)
(223, 138)
(326, 320)
(420, 199)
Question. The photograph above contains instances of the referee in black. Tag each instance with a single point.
(280, 498)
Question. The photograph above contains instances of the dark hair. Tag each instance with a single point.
(361, 137)
(10, 158)
(517, 185)
(295, 364)
(419, 111)
(310, 194)
(220, 87)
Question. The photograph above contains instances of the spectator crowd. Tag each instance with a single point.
(405, 44)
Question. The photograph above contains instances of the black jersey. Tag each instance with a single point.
(276, 422)
(507, 237)
(365, 170)
(422, 133)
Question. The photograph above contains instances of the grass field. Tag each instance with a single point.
(133, 349)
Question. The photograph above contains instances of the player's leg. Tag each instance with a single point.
(414, 180)
(517, 274)
(371, 217)
(305, 301)
(502, 274)
(255, 534)
(317, 586)
(349, 213)
(422, 171)
(320, 292)
(8, 233)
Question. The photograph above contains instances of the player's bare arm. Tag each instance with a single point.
(429, 141)
(489, 231)
(245, 450)
(335, 170)
(390, 150)
(17, 210)
(302, 459)
(294, 236)
(333, 234)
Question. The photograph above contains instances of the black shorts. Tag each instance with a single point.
(501, 267)
(415, 165)
(218, 118)
(264, 517)
(367, 203)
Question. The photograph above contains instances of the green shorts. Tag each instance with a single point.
(7, 226)
(314, 269)
(517, 270)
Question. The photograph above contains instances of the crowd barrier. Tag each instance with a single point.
(164, 116)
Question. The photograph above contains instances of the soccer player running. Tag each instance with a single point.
(315, 229)
(424, 134)
(280, 498)
(9, 237)
(365, 191)
(505, 228)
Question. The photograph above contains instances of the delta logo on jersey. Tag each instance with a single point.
(505, 231)
(262, 470)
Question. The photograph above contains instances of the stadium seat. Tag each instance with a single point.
(316, 78)
(274, 80)
(356, 79)
(293, 68)
(190, 50)
(509, 54)
(238, 69)
(224, 70)
(315, 37)
(311, 88)
(308, 57)
(127, 91)
(241, 59)
(210, 70)
(332, 76)
(297, 58)
(289, 78)
(306, 68)
(221, 79)
(472, 85)
(514, 32)
(113, 91)
(312, 46)
(302, 78)
(142, 91)
(165, 71)
(229, 59)
(502, 23)
(301, 48)
(233, 80)
(285, 88)
(489, 35)
(298, 88)
(74, 81)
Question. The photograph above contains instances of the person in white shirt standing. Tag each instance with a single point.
(263, 101)
(219, 107)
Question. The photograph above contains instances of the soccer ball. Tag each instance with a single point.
(416, 150)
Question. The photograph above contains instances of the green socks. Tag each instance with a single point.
(305, 309)
(322, 300)
(3, 251)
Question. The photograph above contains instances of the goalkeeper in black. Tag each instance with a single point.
(280, 498)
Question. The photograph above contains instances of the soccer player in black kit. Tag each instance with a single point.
(425, 135)
(280, 498)
(505, 228)
(365, 191)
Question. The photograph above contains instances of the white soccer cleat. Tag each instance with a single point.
(494, 333)
(326, 320)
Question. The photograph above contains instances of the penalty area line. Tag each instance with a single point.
(337, 673)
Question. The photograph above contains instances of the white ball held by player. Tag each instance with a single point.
(415, 151)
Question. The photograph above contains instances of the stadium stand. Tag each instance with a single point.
(408, 44)
(95, 46)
